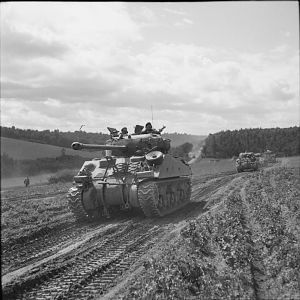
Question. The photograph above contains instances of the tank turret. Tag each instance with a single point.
(136, 172)
(131, 145)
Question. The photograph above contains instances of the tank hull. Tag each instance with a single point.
(157, 188)
(244, 163)
(247, 166)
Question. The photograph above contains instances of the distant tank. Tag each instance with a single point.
(246, 162)
(262, 162)
(136, 172)
(269, 156)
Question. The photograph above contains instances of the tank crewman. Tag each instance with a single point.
(26, 181)
(114, 133)
(138, 129)
(149, 129)
(124, 133)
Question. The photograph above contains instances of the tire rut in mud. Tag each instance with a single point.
(256, 264)
(42, 243)
(205, 185)
(90, 269)
(34, 196)
(200, 196)
(94, 267)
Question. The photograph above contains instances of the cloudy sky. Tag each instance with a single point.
(197, 67)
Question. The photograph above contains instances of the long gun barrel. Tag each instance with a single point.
(80, 146)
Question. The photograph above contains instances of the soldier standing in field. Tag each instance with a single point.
(26, 181)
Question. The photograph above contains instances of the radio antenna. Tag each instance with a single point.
(152, 114)
(79, 132)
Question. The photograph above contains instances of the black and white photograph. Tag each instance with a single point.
(150, 150)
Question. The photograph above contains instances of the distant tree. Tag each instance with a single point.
(226, 144)
(56, 137)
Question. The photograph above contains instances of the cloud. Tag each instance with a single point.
(184, 16)
(286, 33)
(184, 22)
(280, 91)
(177, 80)
(89, 65)
(175, 11)
(72, 21)
(24, 45)
(68, 90)
(188, 21)
(145, 16)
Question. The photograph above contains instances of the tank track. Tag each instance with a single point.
(147, 195)
(74, 197)
(162, 197)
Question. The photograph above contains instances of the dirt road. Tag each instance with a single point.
(53, 257)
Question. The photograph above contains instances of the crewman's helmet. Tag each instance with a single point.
(124, 130)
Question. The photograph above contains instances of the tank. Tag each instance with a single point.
(136, 172)
(246, 161)
(261, 160)
(269, 156)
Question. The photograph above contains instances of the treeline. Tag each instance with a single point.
(182, 151)
(226, 144)
(11, 167)
(65, 139)
(55, 137)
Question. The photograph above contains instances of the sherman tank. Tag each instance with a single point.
(246, 161)
(136, 172)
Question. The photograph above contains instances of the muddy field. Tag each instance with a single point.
(237, 239)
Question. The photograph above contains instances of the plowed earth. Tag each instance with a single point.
(237, 239)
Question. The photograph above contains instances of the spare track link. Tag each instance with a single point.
(153, 201)
(75, 204)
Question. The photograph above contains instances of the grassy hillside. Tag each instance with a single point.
(18, 149)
